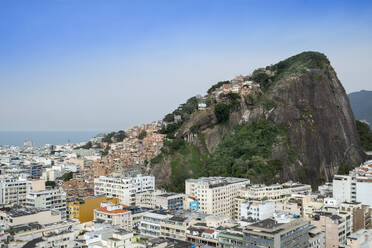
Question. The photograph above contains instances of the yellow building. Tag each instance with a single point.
(83, 209)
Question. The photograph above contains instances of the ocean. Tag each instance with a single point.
(45, 137)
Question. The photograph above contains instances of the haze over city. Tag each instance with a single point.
(108, 65)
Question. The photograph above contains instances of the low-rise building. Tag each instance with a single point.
(271, 233)
(115, 214)
(255, 211)
(169, 201)
(83, 209)
(20, 216)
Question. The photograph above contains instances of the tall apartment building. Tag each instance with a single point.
(48, 199)
(13, 190)
(215, 194)
(123, 188)
(355, 187)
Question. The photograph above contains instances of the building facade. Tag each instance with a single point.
(215, 194)
(83, 209)
(123, 188)
(48, 199)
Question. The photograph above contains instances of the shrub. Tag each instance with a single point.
(222, 112)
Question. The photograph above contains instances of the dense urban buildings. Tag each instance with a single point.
(77, 197)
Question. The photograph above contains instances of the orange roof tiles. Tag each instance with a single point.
(117, 211)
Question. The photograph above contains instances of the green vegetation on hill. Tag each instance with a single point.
(142, 134)
(67, 176)
(184, 110)
(216, 86)
(295, 64)
(365, 135)
(244, 153)
(114, 137)
(88, 145)
(223, 109)
(343, 170)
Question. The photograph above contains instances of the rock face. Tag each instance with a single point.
(303, 95)
(317, 113)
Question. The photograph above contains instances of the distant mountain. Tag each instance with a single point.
(361, 104)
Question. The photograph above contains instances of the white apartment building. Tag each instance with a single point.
(13, 190)
(342, 188)
(48, 199)
(257, 210)
(123, 188)
(150, 225)
(215, 194)
(275, 192)
(144, 183)
(355, 187)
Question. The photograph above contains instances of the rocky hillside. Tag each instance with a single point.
(288, 121)
(361, 104)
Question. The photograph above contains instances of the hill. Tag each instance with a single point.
(361, 104)
(288, 121)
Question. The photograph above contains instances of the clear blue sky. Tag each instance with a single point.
(108, 65)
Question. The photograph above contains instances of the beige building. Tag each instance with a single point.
(37, 185)
(19, 216)
(216, 194)
(311, 204)
(335, 226)
(358, 212)
(115, 214)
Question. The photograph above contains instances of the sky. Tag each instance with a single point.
(108, 65)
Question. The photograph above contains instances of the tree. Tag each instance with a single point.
(88, 145)
(50, 184)
(67, 176)
(142, 134)
(169, 118)
(365, 135)
(343, 170)
(222, 112)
